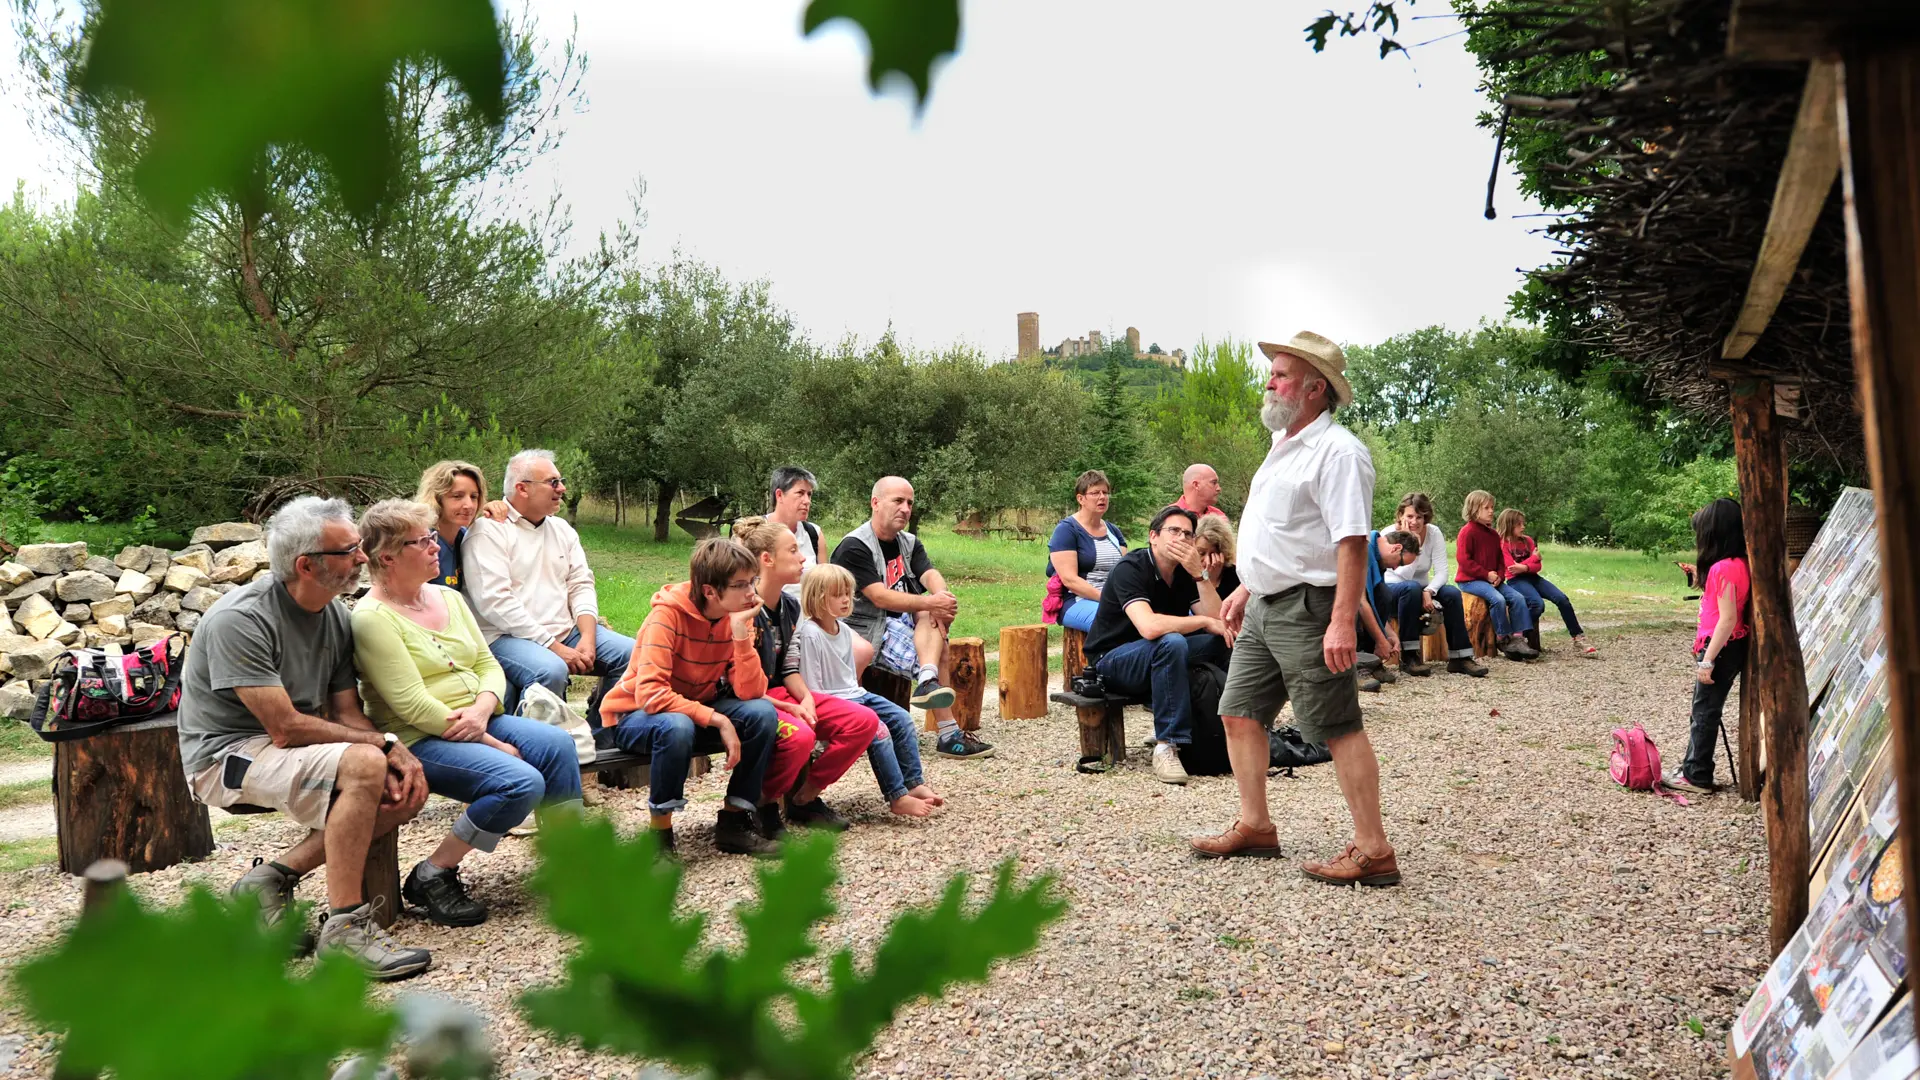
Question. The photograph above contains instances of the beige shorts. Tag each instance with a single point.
(297, 781)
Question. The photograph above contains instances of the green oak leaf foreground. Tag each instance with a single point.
(903, 36)
(641, 985)
(197, 992)
(221, 81)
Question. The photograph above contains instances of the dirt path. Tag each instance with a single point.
(1551, 924)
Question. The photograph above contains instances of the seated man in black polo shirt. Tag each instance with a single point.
(1159, 611)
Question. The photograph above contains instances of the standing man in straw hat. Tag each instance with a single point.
(1303, 570)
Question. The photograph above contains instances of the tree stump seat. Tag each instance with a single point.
(1103, 726)
(1433, 645)
(1479, 624)
(121, 794)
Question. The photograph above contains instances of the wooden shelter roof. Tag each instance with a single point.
(1675, 157)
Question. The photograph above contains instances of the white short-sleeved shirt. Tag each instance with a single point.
(1431, 568)
(1313, 490)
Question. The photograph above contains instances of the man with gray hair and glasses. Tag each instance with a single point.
(270, 716)
(532, 592)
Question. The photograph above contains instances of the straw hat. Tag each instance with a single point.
(1324, 355)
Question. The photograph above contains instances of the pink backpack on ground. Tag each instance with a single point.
(1635, 763)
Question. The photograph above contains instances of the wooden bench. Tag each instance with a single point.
(1103, 725)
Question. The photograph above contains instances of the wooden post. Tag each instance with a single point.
(1880, 158)
(967, 660)
(121, 795)
(1781, 693)
(1103, 732)
(1073, 655)
(381, 881)
(104, 880)
(1023, 672)
(1751, 737)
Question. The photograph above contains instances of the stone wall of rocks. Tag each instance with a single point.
(55, 597)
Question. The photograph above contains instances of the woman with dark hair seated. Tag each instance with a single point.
(1084, 547)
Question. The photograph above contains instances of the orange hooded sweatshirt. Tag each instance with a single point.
(679, 660)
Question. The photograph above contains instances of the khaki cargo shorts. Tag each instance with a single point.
(297, 780)
(1278, 659)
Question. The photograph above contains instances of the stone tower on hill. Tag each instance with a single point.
(1029, 334)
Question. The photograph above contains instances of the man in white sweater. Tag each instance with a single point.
(532, 592)
(1426, 585)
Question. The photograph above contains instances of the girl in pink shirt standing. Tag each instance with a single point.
(1720, 642)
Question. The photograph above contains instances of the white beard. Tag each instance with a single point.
(1278, 413)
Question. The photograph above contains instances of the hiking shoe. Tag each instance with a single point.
(963, 746)
(271, 885)
(767, 820)
(355, 934)
(1466, 665)
(274, 889)
(1355, 867)
(1368, 684)
(1166, 764)
(1515, 653)
(1238, 842)
(1411, 664)
(734, 832)
(442, 895)
(1518, 643)
(931, 695)
(666, 848)
(1385, 674)
(816, 815)
(1678, 781)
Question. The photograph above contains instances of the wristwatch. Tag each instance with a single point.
(1206, 575)
(388, 741)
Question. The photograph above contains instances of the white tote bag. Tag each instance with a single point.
(539, 703)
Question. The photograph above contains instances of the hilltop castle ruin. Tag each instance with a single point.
(1095, 341)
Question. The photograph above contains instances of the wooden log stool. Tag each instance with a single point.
(1103, 728)
(1433, 645)
(1479, 624)
(122, 795)
(1023, 672)
(967, 662)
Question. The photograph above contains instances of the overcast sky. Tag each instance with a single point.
(1187, 169)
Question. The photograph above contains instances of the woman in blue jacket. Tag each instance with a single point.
(1084, 547)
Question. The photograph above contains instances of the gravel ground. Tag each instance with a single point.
(1551, 924)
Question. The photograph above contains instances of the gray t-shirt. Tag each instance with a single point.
(257, 636)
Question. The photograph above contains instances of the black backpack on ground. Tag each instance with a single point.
(1206, 755)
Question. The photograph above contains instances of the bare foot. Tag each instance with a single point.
(909, 806)
(927, 795)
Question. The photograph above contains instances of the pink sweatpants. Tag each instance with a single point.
(847, 727)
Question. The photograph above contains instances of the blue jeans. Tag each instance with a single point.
(1407, 606)
(1158, 669)
(499, 789)
(1538, 592)
(895, 753)
(1505, 606)
(1079, 615)
(673, 738)
(527, 663)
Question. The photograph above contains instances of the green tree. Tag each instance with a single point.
(1113, 446)
(1213, 416)
(278, 342)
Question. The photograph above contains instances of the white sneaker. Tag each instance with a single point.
(1166, 764)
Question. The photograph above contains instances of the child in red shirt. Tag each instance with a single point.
(1521, 557)
(1720, 641)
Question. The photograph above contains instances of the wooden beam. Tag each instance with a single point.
(1806, 177)
(1804, 29)
(1780, 693)
(1880, 153)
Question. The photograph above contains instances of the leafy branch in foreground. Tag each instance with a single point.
(198, 992)
(641, 985)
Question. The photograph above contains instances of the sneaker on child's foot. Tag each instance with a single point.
(1166, 764)
(962, 745)
(931, 695)
(442, 895)
(355, 934)
(734, 832)
(1679, 782)
(816, 815)
(1585, 647)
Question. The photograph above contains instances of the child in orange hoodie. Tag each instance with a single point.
(695, 686)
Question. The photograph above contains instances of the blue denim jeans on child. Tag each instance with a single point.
(1505, 606)
(499, 789)
(526, 663)
(1157, 669)
(895, 753)
(1539, 592)
(673, 739)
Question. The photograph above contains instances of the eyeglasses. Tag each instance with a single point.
(1177, 534)
(422, 541)
(554, 482)
(354, 550)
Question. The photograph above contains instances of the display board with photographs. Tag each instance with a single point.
(1832, 1004)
